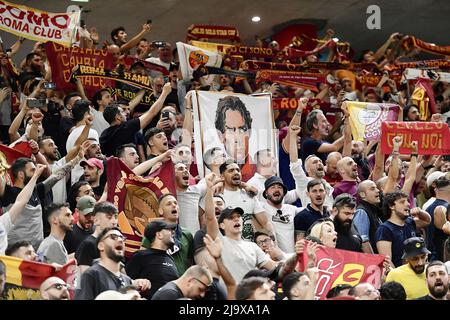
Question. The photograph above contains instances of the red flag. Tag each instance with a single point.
(432, 137)
(137, 197)
(343, 267)
(23, 278)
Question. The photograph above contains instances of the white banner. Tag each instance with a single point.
(434, 75)
(238, 125)
(192, 57)
(38, 25)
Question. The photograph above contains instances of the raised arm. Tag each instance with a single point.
(296, 120)
(294, 131)
(212, 227)
(136, 100)
(25, 195)
(421, 217)
(135, 40)
(15, 125)
(347, 150)
(148, 164)
(188, 123)
(411, 173)
(147, 117)
(394, 167)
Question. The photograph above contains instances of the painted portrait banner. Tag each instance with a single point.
(136, 198)
(234, 125)
(366, 118)
(38, 25)
(23, 278)
(432, 137)
(343, 267)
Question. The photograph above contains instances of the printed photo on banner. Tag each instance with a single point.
(235, 126)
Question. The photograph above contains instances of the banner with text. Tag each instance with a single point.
(343, 267)
(304, 80)
(202, 31)
(137, 197)
(432, 137)
(38, 25)
(366, 118)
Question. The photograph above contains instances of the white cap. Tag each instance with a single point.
(447, 265)
(434, 176)
(113, 295)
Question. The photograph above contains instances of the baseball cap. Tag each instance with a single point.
(86, 204)
(413, 247)
(92, 162)
(228, 212)
(155, 226)
(270, 182)
(433, 177)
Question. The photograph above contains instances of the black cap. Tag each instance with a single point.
(155, 226)
(270, 182)
(414, 247)
(228, 212)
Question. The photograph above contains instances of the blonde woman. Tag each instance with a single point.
(324, 231)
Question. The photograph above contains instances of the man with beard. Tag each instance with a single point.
(50, 151)
(182, 251)
(348, 169)
(106, 274)
(155, 264)
(342, 215)
(360, 159)
(235, 196)
(52, 249)
(401, 225)
(29, 226)
(411, 275)
(34, 68)
(105, 216)
(93, 170)
(84, 225)
(54, 288)
(318, 126)
(314, 211)
(91, 149)
(165, 56)
(282, 215)
(119, 36)
(368, 215)
(314, 168)
(437, 281)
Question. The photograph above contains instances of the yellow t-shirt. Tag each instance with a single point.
(415, 284)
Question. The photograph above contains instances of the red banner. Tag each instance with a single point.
(292, 104)
(428, 64)
(202, 31)
(343, 267)
(433, 137)
(137, 197)
(297, 79)
(249, 52)
(23, 278)
(62, 60)
(254, 65)
(412, 42)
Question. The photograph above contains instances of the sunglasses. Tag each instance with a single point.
(205, 286)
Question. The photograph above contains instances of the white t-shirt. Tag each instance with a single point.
(251, 206)
(99, 124)
(188, 202)
(5, 226)
(73, 136)
(241, 256)
(59, 190)
(284, 226)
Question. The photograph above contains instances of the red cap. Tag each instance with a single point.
(92, 162)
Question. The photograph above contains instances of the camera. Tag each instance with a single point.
(159, 44)
(49, 85)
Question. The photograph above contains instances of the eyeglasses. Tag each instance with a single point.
(115, 236)
(58, 286)
(265, 241)
(206, 287)
(279, 217)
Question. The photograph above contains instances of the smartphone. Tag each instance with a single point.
(149, 21)
(35, 103)
(165, 115)
(49, 85)
(159, 44)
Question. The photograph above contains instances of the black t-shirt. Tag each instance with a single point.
(351, 241)
(87, 251)
(74, 238)
(216, 292)
(51, 124)
(310, 146)
(98, 279)
(169, 291)
(427, 297)
(115, 136)
(154, 265)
